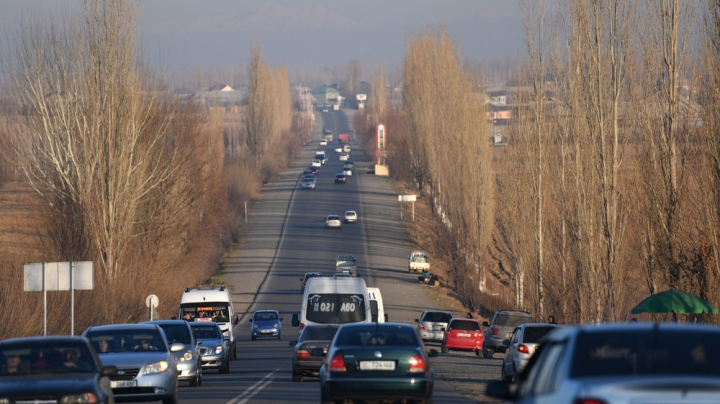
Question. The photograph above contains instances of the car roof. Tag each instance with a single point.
(266, 311)
(43, 339)
(378, 326)
(129, 326)
(469, 320)
(350, 211)
(514, 312)
(333, 216)
(437, 311)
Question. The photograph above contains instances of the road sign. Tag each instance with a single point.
(152, 300)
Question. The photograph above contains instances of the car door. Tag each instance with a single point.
(544, 382)
(510, 353)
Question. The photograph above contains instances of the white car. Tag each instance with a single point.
(333, 222)
(316, 163)
(346, 148)
(351, 216)
(338, 149)
(347, 171)
(323, 142)
(344, 157)
(308, 183)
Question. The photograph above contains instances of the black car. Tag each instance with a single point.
(315, 170)
(53, 369)
(340, 178)
(304, 363)
(376, 361)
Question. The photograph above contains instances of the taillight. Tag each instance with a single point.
(523, 349)
(337, 364)
(303, 354)
(588, 401)
(302, 325)
(417, 364)
(494, 331)
(422, 328)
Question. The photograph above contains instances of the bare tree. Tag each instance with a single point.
(259, 122)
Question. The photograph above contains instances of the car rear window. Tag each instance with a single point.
(400, 336)
(646, 352)
(533, 334)
(176, 333)
(437, 317)
(464, 325)
(511, 320)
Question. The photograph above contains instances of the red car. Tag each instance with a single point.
(463, 334)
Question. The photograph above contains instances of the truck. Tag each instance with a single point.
(344, 138)
(418, 261)
(328, 135)
(345, 263)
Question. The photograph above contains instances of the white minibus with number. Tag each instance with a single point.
(333, 301)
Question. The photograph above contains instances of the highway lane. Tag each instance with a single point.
(262, 373)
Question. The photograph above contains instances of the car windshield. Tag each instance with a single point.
(333, 218)
(205, 312)
(46, 357)
(266, 316)
(533, 334)
(464, 325)
(318, 333)
(126, 340)
(646, 352)
(511, 320)
(437, 317)
(177, 333)
(419, 258)
(202, 331)
(400, 336)
(336, 308)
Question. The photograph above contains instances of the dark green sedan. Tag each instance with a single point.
(377, 361)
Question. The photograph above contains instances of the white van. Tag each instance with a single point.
(210, 305)
(333, 301)
(376, 305)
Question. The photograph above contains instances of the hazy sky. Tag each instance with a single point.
(206, 33)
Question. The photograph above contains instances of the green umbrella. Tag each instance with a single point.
(673, 301)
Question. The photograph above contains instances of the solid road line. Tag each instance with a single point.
(254, 389)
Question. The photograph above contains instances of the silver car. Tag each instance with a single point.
(621, 364)
(189, 364)
(213, 347)
(500, 328)
(431, 324)
(308, 183)
(145, 362)
(333, 222)
(521, 346)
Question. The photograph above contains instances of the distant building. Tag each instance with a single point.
(498, 97)
(221, 87)
(325, 93)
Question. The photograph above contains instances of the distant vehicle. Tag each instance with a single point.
(432, 323)
(521, 347)
(418, 261)
(323, 142)
(29, 376)
(329, 300)
(315, 170)
(344, 157)
(344, 138)
(145, 364)
(313, 337)
(188, 362)
(351, 216)
(620, 363)
(376, 362)
(463, 334)
(347, 171)
(348, 168)
(308, 183)
(346, 148)
(316, 163)
(327, 131)
(306, 277)
(345, 263)
(266, 323)
(320, 155)
(340, 178)
(338, 149)
(213, 348)
(333, 221)
(202, 305)
(501, 328)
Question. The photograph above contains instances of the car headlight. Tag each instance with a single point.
(256, 326)
(187, 356)
(157, 367)
(85, 398)
(226, 333)
(4, 400)
(275, 325)
(218, 349)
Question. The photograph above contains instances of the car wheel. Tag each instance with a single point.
(513, 377)
(234, 353)
(225, 369)
(171, 400)
(503, 374)
(252, 337)
(324, 399)
(279, 336)
(477, 353)
(488, 353)
(297, 377)
(444, 349)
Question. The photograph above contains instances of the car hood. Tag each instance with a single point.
(45, 383)
(210, 342)
(266, 324)
(134, 359)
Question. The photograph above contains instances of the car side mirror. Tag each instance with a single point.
(249, 320)
(301, 279)
(295, 322)
(417, 321)
(433, 353)
(317, 352)
(177, 347)
(386, 318)
(498, 389)
(109, 370)
(506, 342)
(292, 343)
(235, 319)
(485, 324)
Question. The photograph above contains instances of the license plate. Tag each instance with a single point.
(377, 365)
(266, 332)
(438, 328)
(464, 335)
(115, 384)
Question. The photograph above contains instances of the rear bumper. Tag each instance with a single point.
(437, 336)
(378, 389)
(470, 344)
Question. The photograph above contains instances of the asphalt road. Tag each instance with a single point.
(288, 238)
